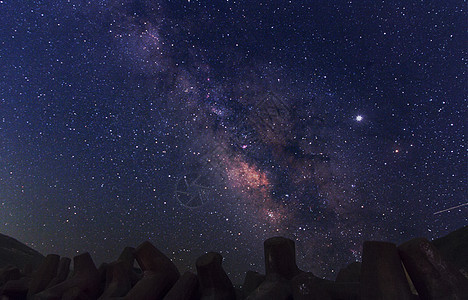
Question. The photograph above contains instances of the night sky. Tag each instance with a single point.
(214, 125)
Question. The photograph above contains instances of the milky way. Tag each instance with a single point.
(213, 125)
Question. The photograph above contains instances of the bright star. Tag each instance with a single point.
(359, 118)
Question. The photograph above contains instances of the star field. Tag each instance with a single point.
(214, 125)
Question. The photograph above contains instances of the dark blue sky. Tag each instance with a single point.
(107, 108)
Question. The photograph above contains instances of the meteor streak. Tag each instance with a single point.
(441, 211)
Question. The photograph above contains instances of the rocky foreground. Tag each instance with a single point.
(416, 269)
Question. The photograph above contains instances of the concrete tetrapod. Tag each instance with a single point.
(382, 274)
(214, 282)
(16, 289)
(9, 273)
(433, 277)
(85, 278)
(307, 286)
(252, 281)
(117, 281)
(275, 287)
(159, 274)
(44, 275)
(62, 272)
(186, 288)
(280, 257)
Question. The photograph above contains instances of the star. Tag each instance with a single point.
(359, 118)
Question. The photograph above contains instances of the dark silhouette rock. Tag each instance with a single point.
(186, 288)
(275, 287)
(117, 281)
(62, 272)
(16, 289)
(15, 253)
(453, 247)
(214, 282)
(306, 286)
(44, 275)
(382, 274)
(433, 277)
(85, 278)
(9, 273)
(280, 257)
(350, 273)
(252, 281)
